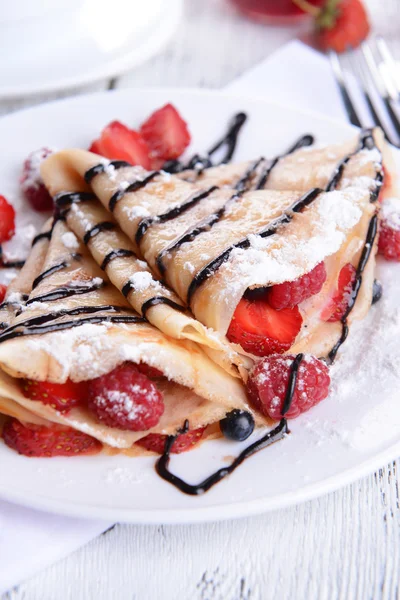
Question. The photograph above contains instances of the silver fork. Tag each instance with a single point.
(370, 75)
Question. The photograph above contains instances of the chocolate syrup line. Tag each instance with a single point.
(66, 199)
(133, 187)
(204, 225)
(7, 303)
(48, 272)
(10, 264)
(104, 226)
(242, 184)
(121, 252)
(42, 236)
(304, 141)
(204, 273)
(162, 464)
(366, 141)
(175, 212)
(14, 330)
(160, 300)
(365, 255)
(199, 163)
(65, 292)
(100, 168)
(42, 329)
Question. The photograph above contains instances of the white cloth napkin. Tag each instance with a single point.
(31, 540)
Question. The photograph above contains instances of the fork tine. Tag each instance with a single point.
(361, 73)
(390, 64)
(380, 85)
(343, 88)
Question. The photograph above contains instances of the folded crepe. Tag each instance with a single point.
(75, 324)
(335, 166)
(116, 255)
(211, 245)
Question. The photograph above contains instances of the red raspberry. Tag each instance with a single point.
(292, 293)
(126, 399)
(41, 441)
(269, 379)
(7, 220)
(338, 305)
(3, 290)
(389, 242)
(150, 372)
(60, 396)
(155, 442)
(32, 183)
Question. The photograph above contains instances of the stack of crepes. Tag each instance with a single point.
(149, 268)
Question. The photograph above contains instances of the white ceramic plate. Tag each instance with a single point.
(88, 44)
(353, 432)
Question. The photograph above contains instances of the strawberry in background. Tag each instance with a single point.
(339, 24)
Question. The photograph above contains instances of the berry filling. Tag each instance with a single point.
(7, 220)
(292, 293)
(389, 236)
(31, 181)
(269, 381)
(262, 330)
(126, 399)
(60, 396)
(155, 442)
(338, 304)
(40, 441)
(3, 290)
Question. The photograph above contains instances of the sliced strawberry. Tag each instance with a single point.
(150, 372)
(166, 133)
(3, 290)
(7, 220)
(60, 396)
(118, 142)
(337, 306)
(155, 442)
(41, 441)
(262, 330)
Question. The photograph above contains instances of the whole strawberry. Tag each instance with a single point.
(341, 24)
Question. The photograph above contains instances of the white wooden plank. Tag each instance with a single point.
(345, 545)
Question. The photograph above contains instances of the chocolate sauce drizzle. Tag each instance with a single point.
(133, 187)
(173, 213)
(162, 464)
(227, 143)
(365, 254)
(66, 292)
(121, 252)
(204, 225)
(100, 168)
(160, 300)
(48, 272)
(10, 264)
(46, 235)
(104, 226)
(204, 273)
(43, 324)
(366, 142)
(304, 141)
(66, 199)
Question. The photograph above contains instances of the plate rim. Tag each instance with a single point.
(219, 511)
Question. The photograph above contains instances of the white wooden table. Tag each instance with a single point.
(345, 545)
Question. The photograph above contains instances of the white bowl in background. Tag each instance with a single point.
(48, 45)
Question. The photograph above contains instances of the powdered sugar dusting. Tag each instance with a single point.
(391, 212)
(143, 280)
(70, 240)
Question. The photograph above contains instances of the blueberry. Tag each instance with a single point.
(237, 425)
(376, 291)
